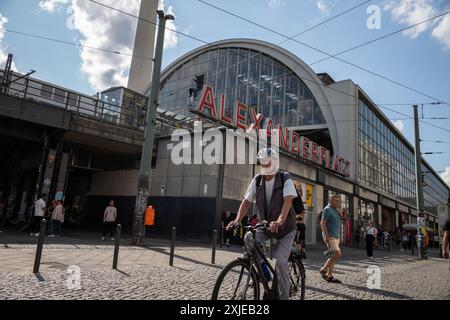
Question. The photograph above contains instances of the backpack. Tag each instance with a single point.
(297, 202)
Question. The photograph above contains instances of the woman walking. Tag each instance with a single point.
(371, 235)
(57, 219)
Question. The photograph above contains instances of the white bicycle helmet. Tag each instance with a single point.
(268, 160)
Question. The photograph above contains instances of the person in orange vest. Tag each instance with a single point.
(149, 216)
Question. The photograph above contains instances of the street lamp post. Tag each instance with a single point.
(147, 148)
(419, 184)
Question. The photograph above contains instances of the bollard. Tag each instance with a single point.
(40, 245)
(116, 246)
(172, 245)
(213, 258)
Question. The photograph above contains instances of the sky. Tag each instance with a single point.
(418, 58)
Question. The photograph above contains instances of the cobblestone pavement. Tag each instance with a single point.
(144, 272)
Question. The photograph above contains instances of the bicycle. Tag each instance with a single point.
(249, 272)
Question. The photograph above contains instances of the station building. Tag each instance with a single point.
(333, 139)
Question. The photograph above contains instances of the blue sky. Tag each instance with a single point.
(419, 59)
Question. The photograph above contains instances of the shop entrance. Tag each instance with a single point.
(76, 197)
(388, 219)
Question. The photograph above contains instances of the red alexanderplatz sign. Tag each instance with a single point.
(289, 140)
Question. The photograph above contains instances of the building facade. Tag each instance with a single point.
(332, 137)
(380, 183)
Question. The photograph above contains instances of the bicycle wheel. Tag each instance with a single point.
(237, 281)
(298, 276)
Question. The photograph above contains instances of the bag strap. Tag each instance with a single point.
(258, 180)
(284, 176)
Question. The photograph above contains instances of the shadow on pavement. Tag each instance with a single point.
(39, 277)
(11, 237)
(122, 272)
(380, 292)
(358, 288)
(163, 251)
(334, 293)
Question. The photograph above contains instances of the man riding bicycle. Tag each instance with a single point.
(273, 192)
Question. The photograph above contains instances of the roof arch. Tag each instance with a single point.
(291, 61)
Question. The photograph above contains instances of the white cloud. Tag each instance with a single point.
(3, 52)
(409, 12)
(105, 28)
(446, 176)
(276, 3)
(52, 5)
(442, 32)
(170, 37)
(323, 7)
(399, 125)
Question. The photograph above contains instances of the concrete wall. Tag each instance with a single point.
(185, 180)
(114, 183)
(319, 203)
(295, 167)
(236, 180)
(34, 112)
(337, 183)
(345, 113)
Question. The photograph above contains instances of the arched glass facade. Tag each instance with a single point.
(251, 77)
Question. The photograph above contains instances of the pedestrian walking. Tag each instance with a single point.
(404, 241)
(300, 236)
(109, 219)
(226, 219)
(431, 239)
(39, 212)
(436, 240)
(2, 209)
(330, 222)
(57, 219)
(371, 234)
(398, 237)
(446, 241)
(254, 220)
(48, 216)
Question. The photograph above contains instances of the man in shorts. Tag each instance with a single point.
(331, 232)
(446, 240)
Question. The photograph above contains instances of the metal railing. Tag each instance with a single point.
(131, 116)
(90, 106)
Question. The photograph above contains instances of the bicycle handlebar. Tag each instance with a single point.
(262, 225)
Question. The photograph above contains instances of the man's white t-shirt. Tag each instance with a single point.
(39, 208)
(288, 190)
(110, 214)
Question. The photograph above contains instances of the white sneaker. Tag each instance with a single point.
(112, 239)
(51, 235)
(31, 234)
(103, 238)
(36, 234)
